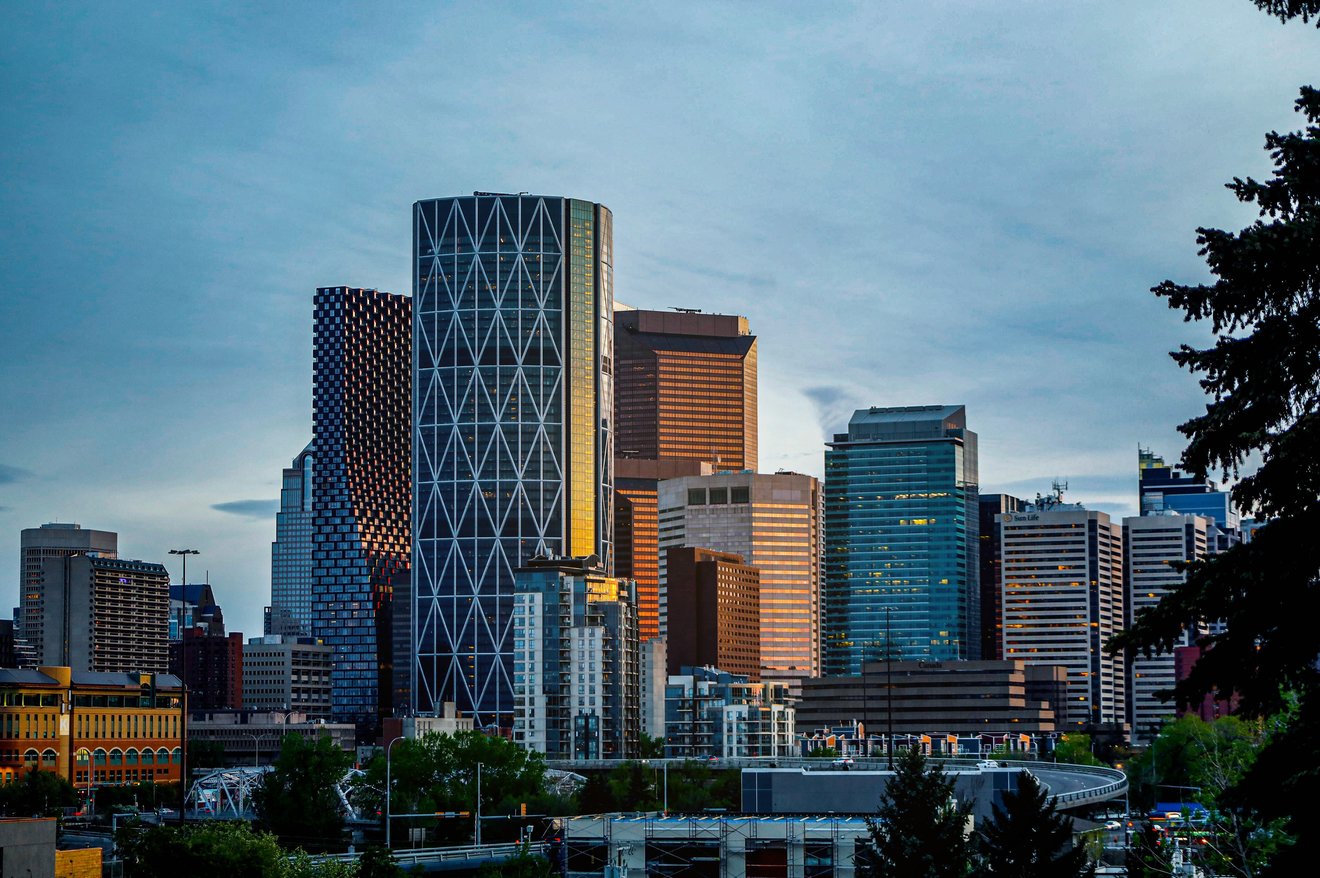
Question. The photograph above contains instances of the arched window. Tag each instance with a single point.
(162, 756)
(30, 757)
(148, 757)
(131, 756)
(48, 757)
(116, 756)
(98, 756)
(176, 756)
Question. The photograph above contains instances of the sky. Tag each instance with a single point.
(913, 202)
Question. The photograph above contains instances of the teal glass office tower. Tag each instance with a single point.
(901, 527)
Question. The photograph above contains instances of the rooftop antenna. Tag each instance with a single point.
(1058, 488)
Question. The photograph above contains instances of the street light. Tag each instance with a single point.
(183, 685)
(256, 743)
(91, 763)
(388, 748)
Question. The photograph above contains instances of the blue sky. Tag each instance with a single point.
(914, 202)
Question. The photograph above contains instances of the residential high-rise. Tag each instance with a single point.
(513, 446)
(637, 528)
(992, 626)
(773, 522)
(686, 387)
(361, 503)
(1152, 545)
(36, 544)
(1063, 600)
(104, 614)
(287, 673)
(901, 519)
(712, 713)
(290, 611)
(714, 606)
(577, 689)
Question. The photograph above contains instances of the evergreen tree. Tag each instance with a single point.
(1027, 838)
(1263, 374)
(919, 831)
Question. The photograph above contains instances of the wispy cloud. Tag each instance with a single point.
(11, 474)
(249, 508)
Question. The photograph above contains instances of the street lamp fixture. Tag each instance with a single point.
(388, 790)
(183, 685)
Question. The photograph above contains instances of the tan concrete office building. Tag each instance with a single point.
(774, 522)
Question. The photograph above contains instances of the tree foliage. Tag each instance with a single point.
(1263, 376)
(1027, 838)
(37, 792)
(1287, 9)
(298, 800)
(438, 772)
(1075, 748)
(221, 849)
(919, 830)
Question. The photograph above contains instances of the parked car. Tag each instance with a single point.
(987, 763)
(844, 762)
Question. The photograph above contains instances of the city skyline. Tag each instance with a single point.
(909, 191)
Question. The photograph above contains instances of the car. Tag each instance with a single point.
(1113, 825)
(987, 763)
(844, 762)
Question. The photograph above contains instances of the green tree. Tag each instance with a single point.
(199, 850)
(1147, 855)
(920, 830)
(651, 748)
(523, 865)
(298, 800)
(632, 787)
(206, 754)
(37, 792)
(377, 862)
(1027, 838)
(438, 772)
(1263, 376)
(1075, 748)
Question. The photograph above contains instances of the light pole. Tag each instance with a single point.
(388, 790)
(256, 744)
(183, 685)
(477, 810)
(889, 688)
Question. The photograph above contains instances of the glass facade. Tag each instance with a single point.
(291, 553)
(901, 527)
(361, 531)
(513, 329)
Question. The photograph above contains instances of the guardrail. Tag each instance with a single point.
(413, 856)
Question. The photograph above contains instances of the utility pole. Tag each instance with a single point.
(477, 810)
(183, 688)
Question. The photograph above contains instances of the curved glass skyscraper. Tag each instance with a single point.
(512, 446)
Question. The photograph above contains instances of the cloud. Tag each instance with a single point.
(834, 406)
(249, 508)
(11, 474)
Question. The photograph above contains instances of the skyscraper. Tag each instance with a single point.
(714, 603)
(1161, 488)
(290, 611)
(901, 518)
(685, 404)
(104, 614)
(686, 387)
(36, 544)
(361, 505)
(1152, 546)
(1063, 600)
(773, 522)
(513, 447)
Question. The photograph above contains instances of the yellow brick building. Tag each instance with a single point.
(93, 728)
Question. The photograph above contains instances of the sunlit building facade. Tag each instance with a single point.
(361, 502)
(512, 442)
(36, 544)
(773, 522)
(901, 528)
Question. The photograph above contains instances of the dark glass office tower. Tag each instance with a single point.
(991, 571)
(512, 441)
(901, 522)
(361, 503)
